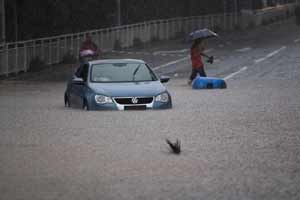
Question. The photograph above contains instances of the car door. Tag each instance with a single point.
(78, 86)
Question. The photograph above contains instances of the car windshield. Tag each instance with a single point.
(121, 72)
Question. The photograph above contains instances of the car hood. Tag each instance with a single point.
(152, 88)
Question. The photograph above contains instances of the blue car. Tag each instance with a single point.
(117, 84)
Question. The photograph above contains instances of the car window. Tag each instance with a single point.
(121, 72)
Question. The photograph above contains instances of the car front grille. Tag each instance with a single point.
(133, 100)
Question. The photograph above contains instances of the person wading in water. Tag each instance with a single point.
(196, 58)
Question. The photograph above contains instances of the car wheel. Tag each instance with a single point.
(85, 105)
(67, 101)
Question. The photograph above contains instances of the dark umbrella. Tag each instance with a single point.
(201, 34)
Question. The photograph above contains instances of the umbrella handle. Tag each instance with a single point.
(206, 56)
(210, 60)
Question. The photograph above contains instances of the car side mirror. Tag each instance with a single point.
(164, 79)
(77, 81)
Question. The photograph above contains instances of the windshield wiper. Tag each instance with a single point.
(135, 71)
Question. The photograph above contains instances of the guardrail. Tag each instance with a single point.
(16, 57)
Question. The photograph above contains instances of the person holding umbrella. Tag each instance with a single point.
(196, 52)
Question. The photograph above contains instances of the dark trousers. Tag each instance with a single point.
(195, 71)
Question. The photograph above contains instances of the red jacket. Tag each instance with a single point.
(196, 58)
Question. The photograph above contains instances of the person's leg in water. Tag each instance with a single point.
(192, 76)
(201, 72)
(194, 73)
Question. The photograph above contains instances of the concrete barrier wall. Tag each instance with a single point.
(16, 57)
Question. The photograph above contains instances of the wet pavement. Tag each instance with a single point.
(238, 143)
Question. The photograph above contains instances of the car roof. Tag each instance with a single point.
(116, 61)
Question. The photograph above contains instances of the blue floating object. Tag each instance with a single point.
(208, 83)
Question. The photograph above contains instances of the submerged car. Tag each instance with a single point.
(117, 84)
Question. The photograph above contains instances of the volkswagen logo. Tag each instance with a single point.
(134, 100)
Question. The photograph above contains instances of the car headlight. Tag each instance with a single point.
(163, 97)
(101, 99)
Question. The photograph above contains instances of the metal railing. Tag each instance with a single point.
(16, 57)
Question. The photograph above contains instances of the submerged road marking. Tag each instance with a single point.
(269, 55)
(179, 60)
(208, 50)
(260, 60)
(170, 51)
(244, 49)
(297, 40)
(177, 51)
(171, 63)
(275, 52)
(235, 73)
